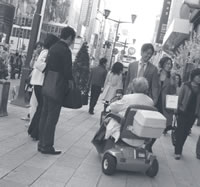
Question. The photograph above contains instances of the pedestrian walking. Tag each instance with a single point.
(178, 82)
(59, 60)
(37, 80)
(143, 68)
(188, 110)
(19, 66)
(113, 82)
(167, 86)
(96, 82)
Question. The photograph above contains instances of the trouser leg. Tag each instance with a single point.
(95, 92)
(34, 126)
(43, 120)
(184, 124)
(53, 113)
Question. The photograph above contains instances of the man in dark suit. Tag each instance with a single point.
(144, 68)
(59, 60)
(96, 82)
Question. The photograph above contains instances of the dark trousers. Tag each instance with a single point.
(48, 120)
(184, 124)
(33, 129)
(95, 92)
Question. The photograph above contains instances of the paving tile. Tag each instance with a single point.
(47, 183)
(80, 182)
(7, 183)
(41, 161)
(68, 160)
(88, 171)
(58, 173)
(78, 151)
(24, 175)
(117, 180)
(3, 172)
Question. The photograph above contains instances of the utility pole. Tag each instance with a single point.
(20, 100)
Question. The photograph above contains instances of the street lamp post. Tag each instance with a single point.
(133, 17)
(102, 30)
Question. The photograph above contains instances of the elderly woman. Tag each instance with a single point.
(138, 96)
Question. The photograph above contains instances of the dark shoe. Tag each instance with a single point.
(91, 112)
(165, 132)
(177, 156)
(49, 151)
(34, 139)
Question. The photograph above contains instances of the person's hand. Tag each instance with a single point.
(71, 84)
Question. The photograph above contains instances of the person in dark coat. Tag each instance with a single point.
(188, 110)
(59, 60)
(96, 82)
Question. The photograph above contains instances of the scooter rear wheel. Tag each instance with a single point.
(109, 164)
(153, 169)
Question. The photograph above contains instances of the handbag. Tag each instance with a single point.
(173, 132)
(84, 98)
(73, 99)
(53, 86)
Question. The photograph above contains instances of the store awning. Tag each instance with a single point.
(177, 32)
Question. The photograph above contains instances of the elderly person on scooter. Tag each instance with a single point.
(138, 96)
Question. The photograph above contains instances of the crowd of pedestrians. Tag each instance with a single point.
(161, 81)
(142, 83)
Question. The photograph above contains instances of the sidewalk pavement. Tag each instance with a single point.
(79, 164)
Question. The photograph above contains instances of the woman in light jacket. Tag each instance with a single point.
(167, 86)
(113, 82)
(37, 82)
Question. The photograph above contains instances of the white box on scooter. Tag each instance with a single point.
(148, 124)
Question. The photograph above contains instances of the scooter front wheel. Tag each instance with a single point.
(153, 169)
(109, 164)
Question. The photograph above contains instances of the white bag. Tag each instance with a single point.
(172, 102)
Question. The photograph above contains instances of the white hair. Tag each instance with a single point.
(139, 85)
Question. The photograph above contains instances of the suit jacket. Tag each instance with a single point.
(151, 74)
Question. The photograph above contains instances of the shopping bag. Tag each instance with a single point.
(53, 86)
(172, 102)
(73, 99)
(84, 98)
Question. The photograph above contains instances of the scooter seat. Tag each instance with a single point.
(133, 142)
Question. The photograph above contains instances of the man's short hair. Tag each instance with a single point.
(103, 61)
(140, 85)
(66, 32)
(146, 47)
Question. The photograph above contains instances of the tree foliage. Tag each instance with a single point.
(188, 53)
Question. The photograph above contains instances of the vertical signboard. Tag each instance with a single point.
(89, 11)
(6, 19)
(163, 21)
